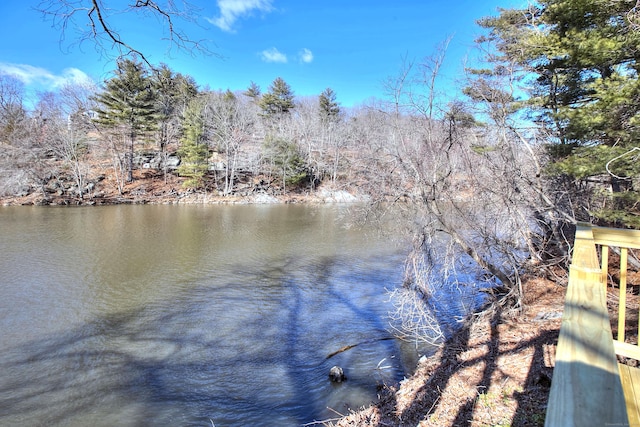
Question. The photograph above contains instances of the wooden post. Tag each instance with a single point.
(586, 389)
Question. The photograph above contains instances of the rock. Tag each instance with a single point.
(551, 315)
(336, 196)
(172, 162)
(264, 198)
(336, 374)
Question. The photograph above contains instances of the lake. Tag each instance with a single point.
(193, 315)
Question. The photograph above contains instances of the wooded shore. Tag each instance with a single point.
(152, 188)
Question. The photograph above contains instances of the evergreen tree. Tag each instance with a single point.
(278, 100)
(287, 160)
(128, 104)
(581, 61)
(193, 151)
(253, 92)
(173, 92)
(329, 107)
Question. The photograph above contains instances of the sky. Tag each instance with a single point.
(352, 47)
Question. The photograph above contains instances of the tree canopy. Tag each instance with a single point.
(193, 150)
(329, 106)
(580, 61)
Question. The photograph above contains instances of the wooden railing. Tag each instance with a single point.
(622, 241)
(589, 387)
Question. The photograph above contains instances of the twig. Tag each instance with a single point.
(435, 402)
(335, 412)
(322, 422)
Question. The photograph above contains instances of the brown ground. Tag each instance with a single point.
(495, 372)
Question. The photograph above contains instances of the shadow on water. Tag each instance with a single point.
(213, 354)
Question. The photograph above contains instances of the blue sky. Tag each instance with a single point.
(349, 46)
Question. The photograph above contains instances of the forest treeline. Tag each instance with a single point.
(543, 133)
(146, 119)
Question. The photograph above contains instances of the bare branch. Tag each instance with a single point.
(93, 20)
(634, 16)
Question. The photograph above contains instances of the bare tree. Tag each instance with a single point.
(518, 150)
(71, 145)
(308, 130)
(231, 125)
(13, 115)
(469, 187)
(63, 134)
(77, 102)
(334, 141)
(93, 21)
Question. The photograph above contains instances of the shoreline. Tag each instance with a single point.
(190, 198)
(496, 370)
(154, 188)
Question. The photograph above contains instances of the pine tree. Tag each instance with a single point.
(581, 61)
(253, 92)
(128, 104)
(193, 151)
(329, 107)
(278, 100)
(288, 161)
(173, 92)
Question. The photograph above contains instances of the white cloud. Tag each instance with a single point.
(305, 56)
(36, 76)
(232, 10)
(273, 55)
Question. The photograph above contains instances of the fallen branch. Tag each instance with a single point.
(348, 347)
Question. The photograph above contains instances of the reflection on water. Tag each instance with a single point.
(175, 316)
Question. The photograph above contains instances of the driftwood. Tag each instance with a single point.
(350, 346)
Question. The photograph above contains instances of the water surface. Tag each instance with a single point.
(187, 315)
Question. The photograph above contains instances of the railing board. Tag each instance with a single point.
(605, 263)
(616, 237)
(622, 305)
(627, 350)
(586, 387)
(584, 251)
(589, 387)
